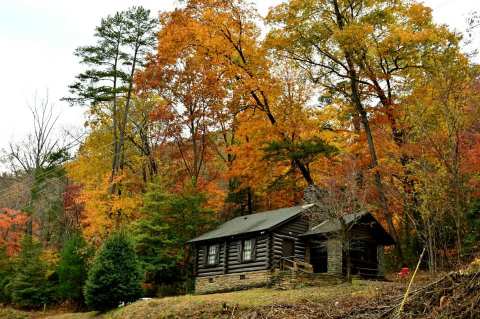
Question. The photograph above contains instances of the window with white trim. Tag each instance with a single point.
(212, 255)
(247, 253)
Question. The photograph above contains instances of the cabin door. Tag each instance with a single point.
(318, 256)
(288, 247)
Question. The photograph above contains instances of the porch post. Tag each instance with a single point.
(225, 256)
(334, 256)
(380, 261)
(307, 251)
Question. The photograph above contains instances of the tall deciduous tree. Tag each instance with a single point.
(38, 158)
(442, 112)
(91, 169)
(191, 92)
(225, 34)
(366, 52)
(42, 148)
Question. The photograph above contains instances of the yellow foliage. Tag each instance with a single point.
(92, 170)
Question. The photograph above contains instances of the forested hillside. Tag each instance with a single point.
(210, 111)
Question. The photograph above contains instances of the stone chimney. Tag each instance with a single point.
(313, 194)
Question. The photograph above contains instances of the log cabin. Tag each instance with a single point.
(247, 250)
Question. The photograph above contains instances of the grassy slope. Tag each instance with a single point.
(234, 304)
(237, 303)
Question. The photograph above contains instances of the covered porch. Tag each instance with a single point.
(327, 251)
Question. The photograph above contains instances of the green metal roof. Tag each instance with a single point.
(252, 223)
(333, 225)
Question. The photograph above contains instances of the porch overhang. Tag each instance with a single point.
(330, 227)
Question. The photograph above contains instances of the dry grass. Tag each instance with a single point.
(8, 313)
(232, 305)
(240, 304)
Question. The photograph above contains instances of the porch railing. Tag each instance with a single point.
(293, 264)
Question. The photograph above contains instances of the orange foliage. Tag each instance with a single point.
(12, 227)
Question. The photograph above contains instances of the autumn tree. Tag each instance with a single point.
(102, 211)
(442, 112)
(191, 93)
(13, 225)
(42, 148)
(15, 190)
(73, 209)
(37, 161)
(366, 53)
(225, 34)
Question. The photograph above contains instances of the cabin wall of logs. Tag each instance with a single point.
(268, 249)
(289, 231)
(230, 259)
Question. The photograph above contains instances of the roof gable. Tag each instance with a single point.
(333, 225)
(253, 223)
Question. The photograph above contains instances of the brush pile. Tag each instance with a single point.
(456, 295)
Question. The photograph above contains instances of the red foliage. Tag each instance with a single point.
(12, 227)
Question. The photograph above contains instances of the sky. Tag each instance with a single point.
(38, 37)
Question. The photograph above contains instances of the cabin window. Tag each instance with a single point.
(212, 255)
(247, 253)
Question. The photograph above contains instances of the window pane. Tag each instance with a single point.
(212, 255)
(247, 250)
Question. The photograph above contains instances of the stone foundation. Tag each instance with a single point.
(229, 282)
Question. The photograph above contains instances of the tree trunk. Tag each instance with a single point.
(123, 126)
(355, 95)
(249, 200)
(114, 115)
(266, 109)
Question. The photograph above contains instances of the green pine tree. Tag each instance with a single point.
(6, 273)
(29, 286)
(161, 236)
(115, 275)
(72, 269)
